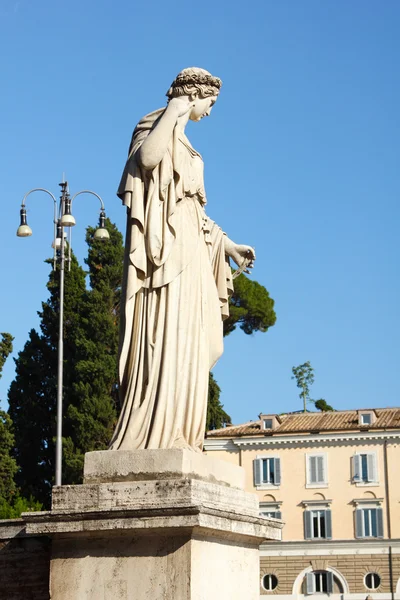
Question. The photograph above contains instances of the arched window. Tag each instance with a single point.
(318, 582)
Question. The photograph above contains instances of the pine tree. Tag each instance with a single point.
(250, 307)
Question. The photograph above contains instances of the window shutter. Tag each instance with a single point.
(357, 467)
(379, 522)
(312, 468)
(277, 471)
(307, 525)
(371, 462)
(320, 469)
(310, 580)
(359, 523)
(257, 464)
(328, 524)
(329, 582)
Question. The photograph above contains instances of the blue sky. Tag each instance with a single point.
(301, 160)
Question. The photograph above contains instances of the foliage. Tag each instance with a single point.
(216, 416)
(304, 376)
(92, 411)
(6, 347)
(8, 465)
(251, 307)
(33, 393)
(90, 351)
(322, 405)
(19, 505)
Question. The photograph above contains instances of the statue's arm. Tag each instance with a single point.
(237, 252)
(154, 147)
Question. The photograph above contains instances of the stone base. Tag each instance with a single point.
(170, 525)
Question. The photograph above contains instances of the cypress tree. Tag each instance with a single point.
(33, 393)
(90, 371)
(92, 411)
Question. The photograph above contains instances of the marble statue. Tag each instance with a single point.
(177, 277)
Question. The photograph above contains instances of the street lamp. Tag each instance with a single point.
(62, 218)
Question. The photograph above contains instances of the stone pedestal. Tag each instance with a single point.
(155, 525)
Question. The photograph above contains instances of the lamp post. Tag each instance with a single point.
(63, 218)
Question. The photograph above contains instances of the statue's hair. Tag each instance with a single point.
(194, 79)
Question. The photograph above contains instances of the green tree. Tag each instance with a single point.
(6, 347)
(11, 503)
(92, 411)
(32, 395)
(90, 371)
(8, 465)
(250, 307)
(304, 376)
(216, 416)
(322, 405)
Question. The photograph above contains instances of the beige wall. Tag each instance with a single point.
(293, 491)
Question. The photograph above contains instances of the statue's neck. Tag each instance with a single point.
(182, 122)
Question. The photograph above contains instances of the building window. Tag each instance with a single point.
(317, 524)
(369, 522)
(267, 471)
(267, 424)
(366, 418)
(365, 468)
(270, 582)
(319, 582)
(372, 581)
(272, 514)
(316, 470)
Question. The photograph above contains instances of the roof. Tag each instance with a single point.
(311, 422)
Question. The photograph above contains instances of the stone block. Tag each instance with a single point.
(176, 463)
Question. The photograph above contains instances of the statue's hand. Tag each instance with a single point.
(241, 253)
(180, 105)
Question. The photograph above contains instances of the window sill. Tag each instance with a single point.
(316, 485)
(366, 483)
(267, 486)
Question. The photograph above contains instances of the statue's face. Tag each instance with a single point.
(202, 107)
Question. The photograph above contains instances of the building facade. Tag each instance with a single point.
(334, 479)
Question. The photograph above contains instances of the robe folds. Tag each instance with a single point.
(176, 288)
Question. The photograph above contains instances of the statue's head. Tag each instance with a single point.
(200, 86)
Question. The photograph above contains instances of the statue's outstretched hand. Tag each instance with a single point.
(241, 253)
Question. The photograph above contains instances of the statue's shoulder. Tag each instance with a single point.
(143, 129)
(149, 121)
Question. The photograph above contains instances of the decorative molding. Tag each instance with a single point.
(322, 439)
(330, 547)
(221, 444)
(317, 502)
(368, 500)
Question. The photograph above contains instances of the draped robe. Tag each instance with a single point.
(176, 288)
